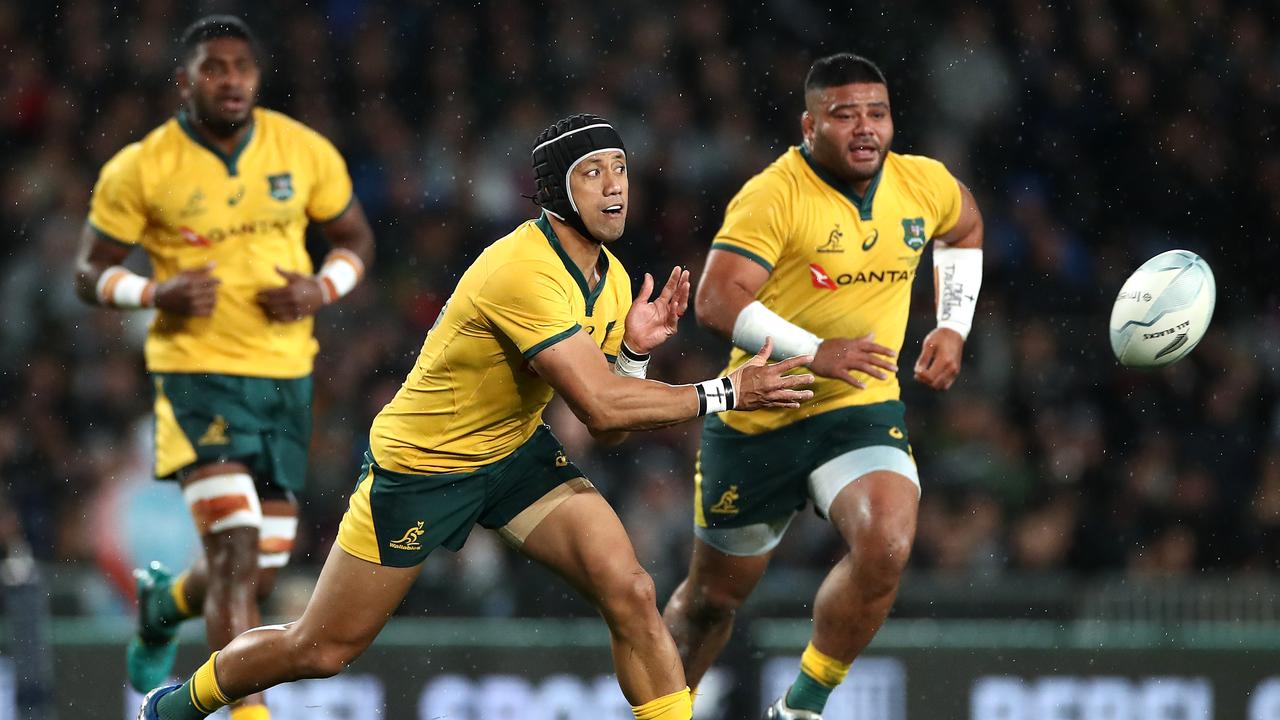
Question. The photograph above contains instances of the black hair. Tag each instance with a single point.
(211, 27)
(842, 69)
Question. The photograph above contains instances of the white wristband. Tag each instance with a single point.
(757, 322)
(118, 287)
(715, 396)
(630, 363)
(341, 272)
(959, 279)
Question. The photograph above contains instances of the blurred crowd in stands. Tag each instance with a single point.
(1093, 134)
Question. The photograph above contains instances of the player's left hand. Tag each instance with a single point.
(649, 324)
(299, 297)
(940, 357)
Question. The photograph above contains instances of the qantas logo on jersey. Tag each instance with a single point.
(192, 237)
(820, 277)
(825, 281)
(251, 227)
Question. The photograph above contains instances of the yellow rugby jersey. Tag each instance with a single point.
(472, 397)
(840, 265)
(186, 203)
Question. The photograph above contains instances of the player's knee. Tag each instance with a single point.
(231, 562)
(883, 556)
(324, 659)
(711, 604)
(628, 592)
(228, 514)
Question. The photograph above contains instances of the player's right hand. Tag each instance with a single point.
(760, 385)
(837, 358)
(190, 292)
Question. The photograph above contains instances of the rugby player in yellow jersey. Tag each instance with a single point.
(545, 309)
(219, 197)
(818, 252)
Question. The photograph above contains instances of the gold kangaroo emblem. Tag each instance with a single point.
(216, 433)
(410, 539)
(725, 505)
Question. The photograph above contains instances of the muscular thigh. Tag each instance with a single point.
(723, 580)
(354, 598)
(877, 509)
(583, 540)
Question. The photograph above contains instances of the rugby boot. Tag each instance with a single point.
(151, 652)
(779, 711)
(151, 703)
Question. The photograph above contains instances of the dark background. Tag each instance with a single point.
(1093, 134)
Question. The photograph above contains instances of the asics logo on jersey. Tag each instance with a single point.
(233, 200)
(820, 277)
(896, 433)
(409, 541)
(725, 505)
(870, 241)
(832, 245)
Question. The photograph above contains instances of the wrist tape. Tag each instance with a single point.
(715, 396)
(341, 272)
(119, 287)
(959, 279)
(757, 322)
(631, 363)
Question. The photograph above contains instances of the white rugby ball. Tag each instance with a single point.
(1163, 310)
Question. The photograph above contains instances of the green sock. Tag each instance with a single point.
(808, 694)
(164, 609)
(198, 698)
(178, 705)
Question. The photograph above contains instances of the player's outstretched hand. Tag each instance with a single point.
(837, 358)
(190, 292)
(649, 324)
(761, 385)
(299, 297)
(940, 357)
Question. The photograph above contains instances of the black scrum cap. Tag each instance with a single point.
(555, 153)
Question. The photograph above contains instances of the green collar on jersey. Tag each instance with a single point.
(862, 202)
(589, 295)
(229, 160)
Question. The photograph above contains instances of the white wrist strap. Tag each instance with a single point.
(757, 322)
(715, 396)
(118, 287)
(631, 363)
(959, 279)
(341, 272)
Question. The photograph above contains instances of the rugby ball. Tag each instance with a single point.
(1163, 310)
